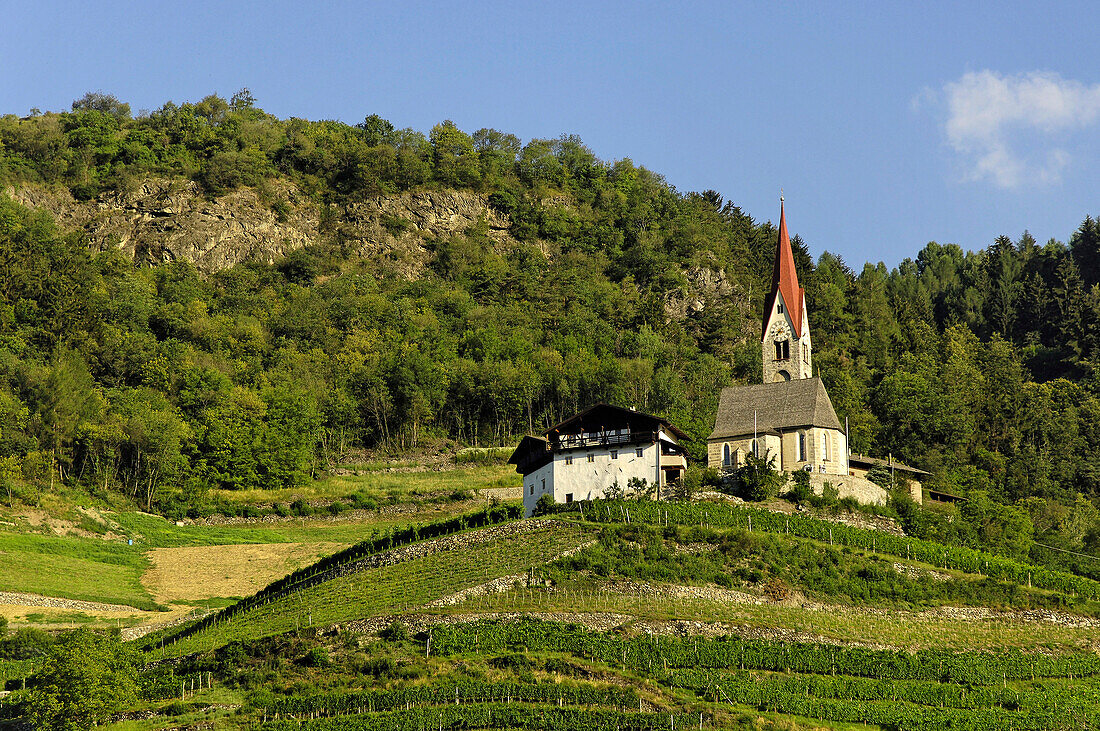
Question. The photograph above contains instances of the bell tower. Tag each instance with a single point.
(786, 332)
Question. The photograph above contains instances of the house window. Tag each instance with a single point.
(614, 454)
(591, 458)
(569, 459)
(532, 488)
(726, 455)
(638, 452)
(568, 497)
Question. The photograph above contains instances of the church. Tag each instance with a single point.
(788, 418)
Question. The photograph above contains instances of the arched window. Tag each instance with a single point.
(825, 446)
(726, 455)
(800, 447)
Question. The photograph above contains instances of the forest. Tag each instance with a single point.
(164, 384)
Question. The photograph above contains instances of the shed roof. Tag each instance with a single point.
(782, 405)
(872, 461)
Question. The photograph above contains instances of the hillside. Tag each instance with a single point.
(640, 615)
(249, 368)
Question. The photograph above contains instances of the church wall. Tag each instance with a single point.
(769, 444)
(835, 459)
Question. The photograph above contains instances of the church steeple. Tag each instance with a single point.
(786, 330)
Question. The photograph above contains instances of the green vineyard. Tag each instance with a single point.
(388, 589)
(734, 516)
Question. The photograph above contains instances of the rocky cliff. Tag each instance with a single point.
(162, 220)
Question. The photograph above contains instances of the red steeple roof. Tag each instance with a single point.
(785, 280)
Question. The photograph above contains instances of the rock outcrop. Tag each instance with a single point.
(161, 220)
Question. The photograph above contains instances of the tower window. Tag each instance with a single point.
(779, 308)
(782, 349)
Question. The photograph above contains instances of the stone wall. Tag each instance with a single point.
(864, 491)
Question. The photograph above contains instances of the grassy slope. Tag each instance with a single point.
(94, 569)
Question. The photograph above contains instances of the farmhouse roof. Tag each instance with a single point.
(532, 453)
(782, 405)
(785, 281)
(600, 417)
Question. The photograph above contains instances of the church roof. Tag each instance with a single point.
(785, 280)
(782, 405)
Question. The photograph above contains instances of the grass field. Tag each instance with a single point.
(404, 586)
(389, 482)
(34, 560)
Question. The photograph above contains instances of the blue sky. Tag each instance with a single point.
(887, 124)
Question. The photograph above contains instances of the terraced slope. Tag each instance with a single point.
(399, 580)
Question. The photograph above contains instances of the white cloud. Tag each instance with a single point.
(1009, 128)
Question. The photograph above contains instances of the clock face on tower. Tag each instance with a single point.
(780, 331)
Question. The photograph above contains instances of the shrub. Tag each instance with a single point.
(395, 632)
(362, 502)
(25, 644)
(759, 478)
(317, 658)
(381, 668)
(515, 661)
(545, 505)
(801, 492)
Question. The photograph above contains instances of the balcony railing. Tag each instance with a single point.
(600, 439)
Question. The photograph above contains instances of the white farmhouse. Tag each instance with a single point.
(601, 447)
